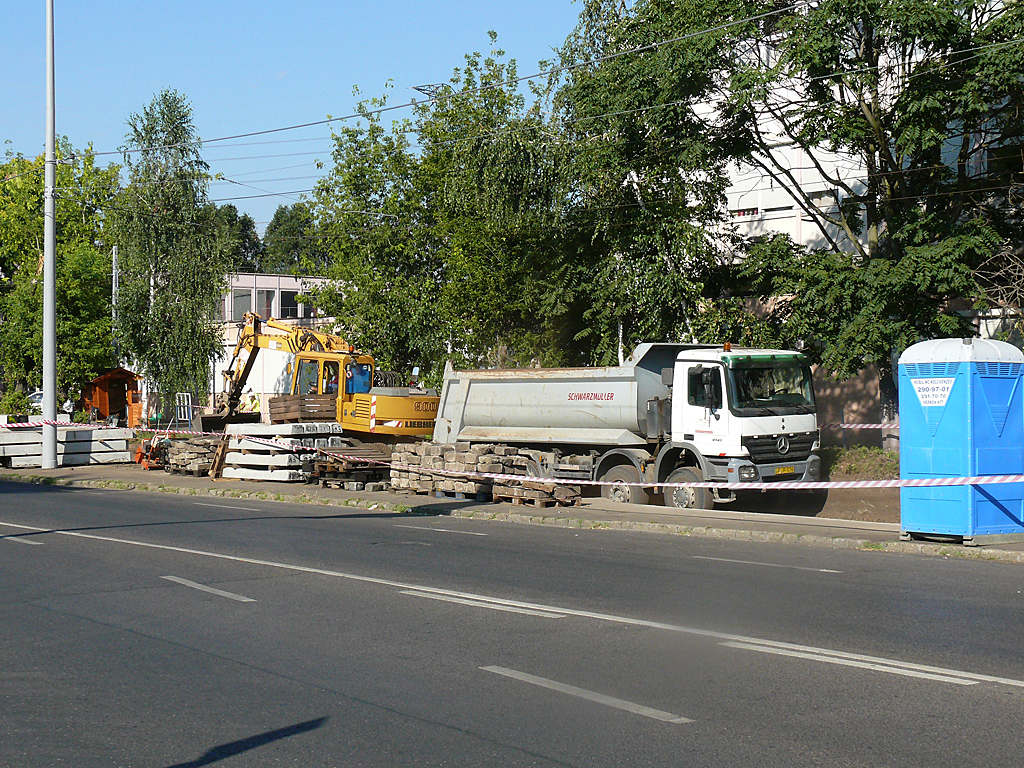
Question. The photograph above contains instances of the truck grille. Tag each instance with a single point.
(764, 449)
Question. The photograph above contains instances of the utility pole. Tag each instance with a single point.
(114, 281)
(49, 457)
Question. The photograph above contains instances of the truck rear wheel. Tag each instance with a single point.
(687, 498)
(622, 493)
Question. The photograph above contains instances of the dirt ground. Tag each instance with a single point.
(876, 505)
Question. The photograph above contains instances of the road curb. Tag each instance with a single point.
(921, 548)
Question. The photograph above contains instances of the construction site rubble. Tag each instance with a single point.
(461, 469)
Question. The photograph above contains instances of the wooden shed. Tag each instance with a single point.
(114, 393)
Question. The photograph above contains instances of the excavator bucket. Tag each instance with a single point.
(215, 422)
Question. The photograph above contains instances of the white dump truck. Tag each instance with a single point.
(672, 413)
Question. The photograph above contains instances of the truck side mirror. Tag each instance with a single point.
(711, 394)
(667, 376)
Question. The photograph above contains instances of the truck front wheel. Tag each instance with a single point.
(687, 498)
(618, 491)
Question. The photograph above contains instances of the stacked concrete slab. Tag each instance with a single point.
(76, 446)
(278, 452)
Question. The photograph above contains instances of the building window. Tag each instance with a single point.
(241, 302)
(265, 303)
(290, 307)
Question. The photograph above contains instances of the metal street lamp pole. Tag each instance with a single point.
(49, 457)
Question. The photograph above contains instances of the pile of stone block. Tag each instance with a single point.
(76, 446)
(192, 456)
(444, 469)
(462, 469)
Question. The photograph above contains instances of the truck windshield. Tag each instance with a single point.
(772, 388)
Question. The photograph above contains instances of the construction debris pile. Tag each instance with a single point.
(193, 456)
(76, 446)
(448, 469)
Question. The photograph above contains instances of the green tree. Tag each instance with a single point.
(85, 193)
(174, 258)
(643, 176)
(292, 244)
(83, 321)
(436, 251)
(488, 177)
(247, 252)
(925, 99)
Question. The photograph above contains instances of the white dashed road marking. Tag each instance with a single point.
(211, 590)
(722, 637)
(582, 693)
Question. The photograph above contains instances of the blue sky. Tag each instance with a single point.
(248, 66)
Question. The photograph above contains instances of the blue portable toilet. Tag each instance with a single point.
(962, 415)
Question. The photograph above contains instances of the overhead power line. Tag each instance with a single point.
(470, 91)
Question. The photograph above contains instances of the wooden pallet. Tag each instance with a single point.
(521, 501)
(547, 501)
(481, 496)
(217, 465)
(302, 408)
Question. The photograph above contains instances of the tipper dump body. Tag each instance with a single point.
(581, 406)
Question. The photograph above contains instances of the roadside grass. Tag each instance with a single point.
(860, 463)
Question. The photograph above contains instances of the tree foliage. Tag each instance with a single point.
(174, 256)
(437, 249)
(643, 177)
(84, 193)
(925, 99)
(291, 243)
(83, 321)
(246, 251)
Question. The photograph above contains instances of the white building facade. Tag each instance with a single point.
(276, 296)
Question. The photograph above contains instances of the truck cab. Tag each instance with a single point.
(739, 416)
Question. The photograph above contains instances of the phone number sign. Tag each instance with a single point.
(933, 391)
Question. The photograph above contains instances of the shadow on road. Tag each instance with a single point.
(224, 751)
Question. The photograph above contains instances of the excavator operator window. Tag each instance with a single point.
(306, 377)
(330, 378)
(358, 378)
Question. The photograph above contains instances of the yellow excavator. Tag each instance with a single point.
(330, 381)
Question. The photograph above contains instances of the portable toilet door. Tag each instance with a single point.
(962, 415)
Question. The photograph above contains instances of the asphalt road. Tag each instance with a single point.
(159, 630)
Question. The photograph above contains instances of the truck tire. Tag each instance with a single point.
(624, 494)
(687, 498)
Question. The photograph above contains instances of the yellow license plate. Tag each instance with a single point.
(785, 470)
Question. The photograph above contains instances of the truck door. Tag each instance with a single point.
(704, 417)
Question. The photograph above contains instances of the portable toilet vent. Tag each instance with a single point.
(961, 415)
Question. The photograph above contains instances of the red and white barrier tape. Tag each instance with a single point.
(45, 423)
(417, 468)
(778, 485)
(839, 425)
